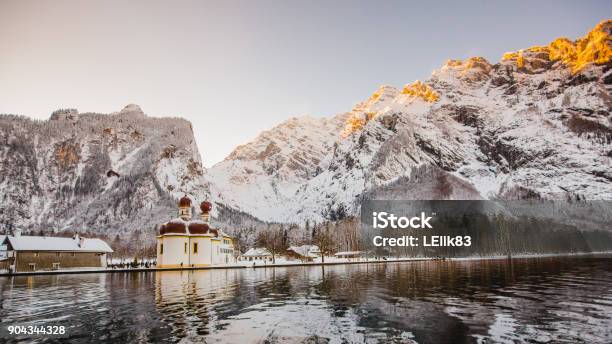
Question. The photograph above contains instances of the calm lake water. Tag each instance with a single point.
(491, 301)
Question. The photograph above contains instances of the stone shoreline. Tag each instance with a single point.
(259, 266)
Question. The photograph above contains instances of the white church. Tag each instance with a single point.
(185, 242)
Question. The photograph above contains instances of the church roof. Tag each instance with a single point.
(41, 243)
(199, 228)
(189, 227)
(205, 207)
(185, 201)
(177, 227)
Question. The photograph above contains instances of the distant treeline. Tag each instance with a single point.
(501, 235)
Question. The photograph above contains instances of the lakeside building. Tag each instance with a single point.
(187, 242)
(349, 254)
(256, 254)
(3, 253)
(304, 252)
(41, 253)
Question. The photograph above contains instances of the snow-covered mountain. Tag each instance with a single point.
(110, 173)
(536, 124)
(263, 176)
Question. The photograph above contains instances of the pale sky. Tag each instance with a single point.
(235, 68)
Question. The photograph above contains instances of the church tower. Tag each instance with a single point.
(184, 208)
(205, 207)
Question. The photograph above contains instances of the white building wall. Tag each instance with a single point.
(174, 251)
(211, 251)
(216, 256)
(203, 256)
(227, 253)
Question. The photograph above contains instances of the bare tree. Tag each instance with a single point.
(272, 239)
(325, 240)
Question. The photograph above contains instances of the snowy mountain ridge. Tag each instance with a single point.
(112, 173)
(532, 125)
(264, 174)
(536, 124)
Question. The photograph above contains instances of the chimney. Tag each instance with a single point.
(16, 232)
(81, 242)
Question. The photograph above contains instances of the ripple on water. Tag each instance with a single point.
(537, 300)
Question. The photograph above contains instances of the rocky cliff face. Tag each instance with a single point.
(535, 125)
(109, 173)
(262, 176)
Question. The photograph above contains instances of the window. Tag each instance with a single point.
(195, 247)
(185, 247)
(57, 254)
(32, 266)
(161, 248)
(56, 266)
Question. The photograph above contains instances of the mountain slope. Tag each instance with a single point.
(108, 173)
(536, 124)
(262, 176)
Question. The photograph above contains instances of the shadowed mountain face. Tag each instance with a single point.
(535, 125)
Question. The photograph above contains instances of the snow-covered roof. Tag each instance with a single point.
(348, 253)
(311, 251)
(257, 252)
(224, 234)
(187, 223)
(41, 243)
(2, 247)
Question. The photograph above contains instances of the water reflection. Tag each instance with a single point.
(537, 300)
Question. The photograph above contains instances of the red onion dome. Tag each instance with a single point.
(173, 227)
(198, 228)
(206, 206)
(184, 202)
